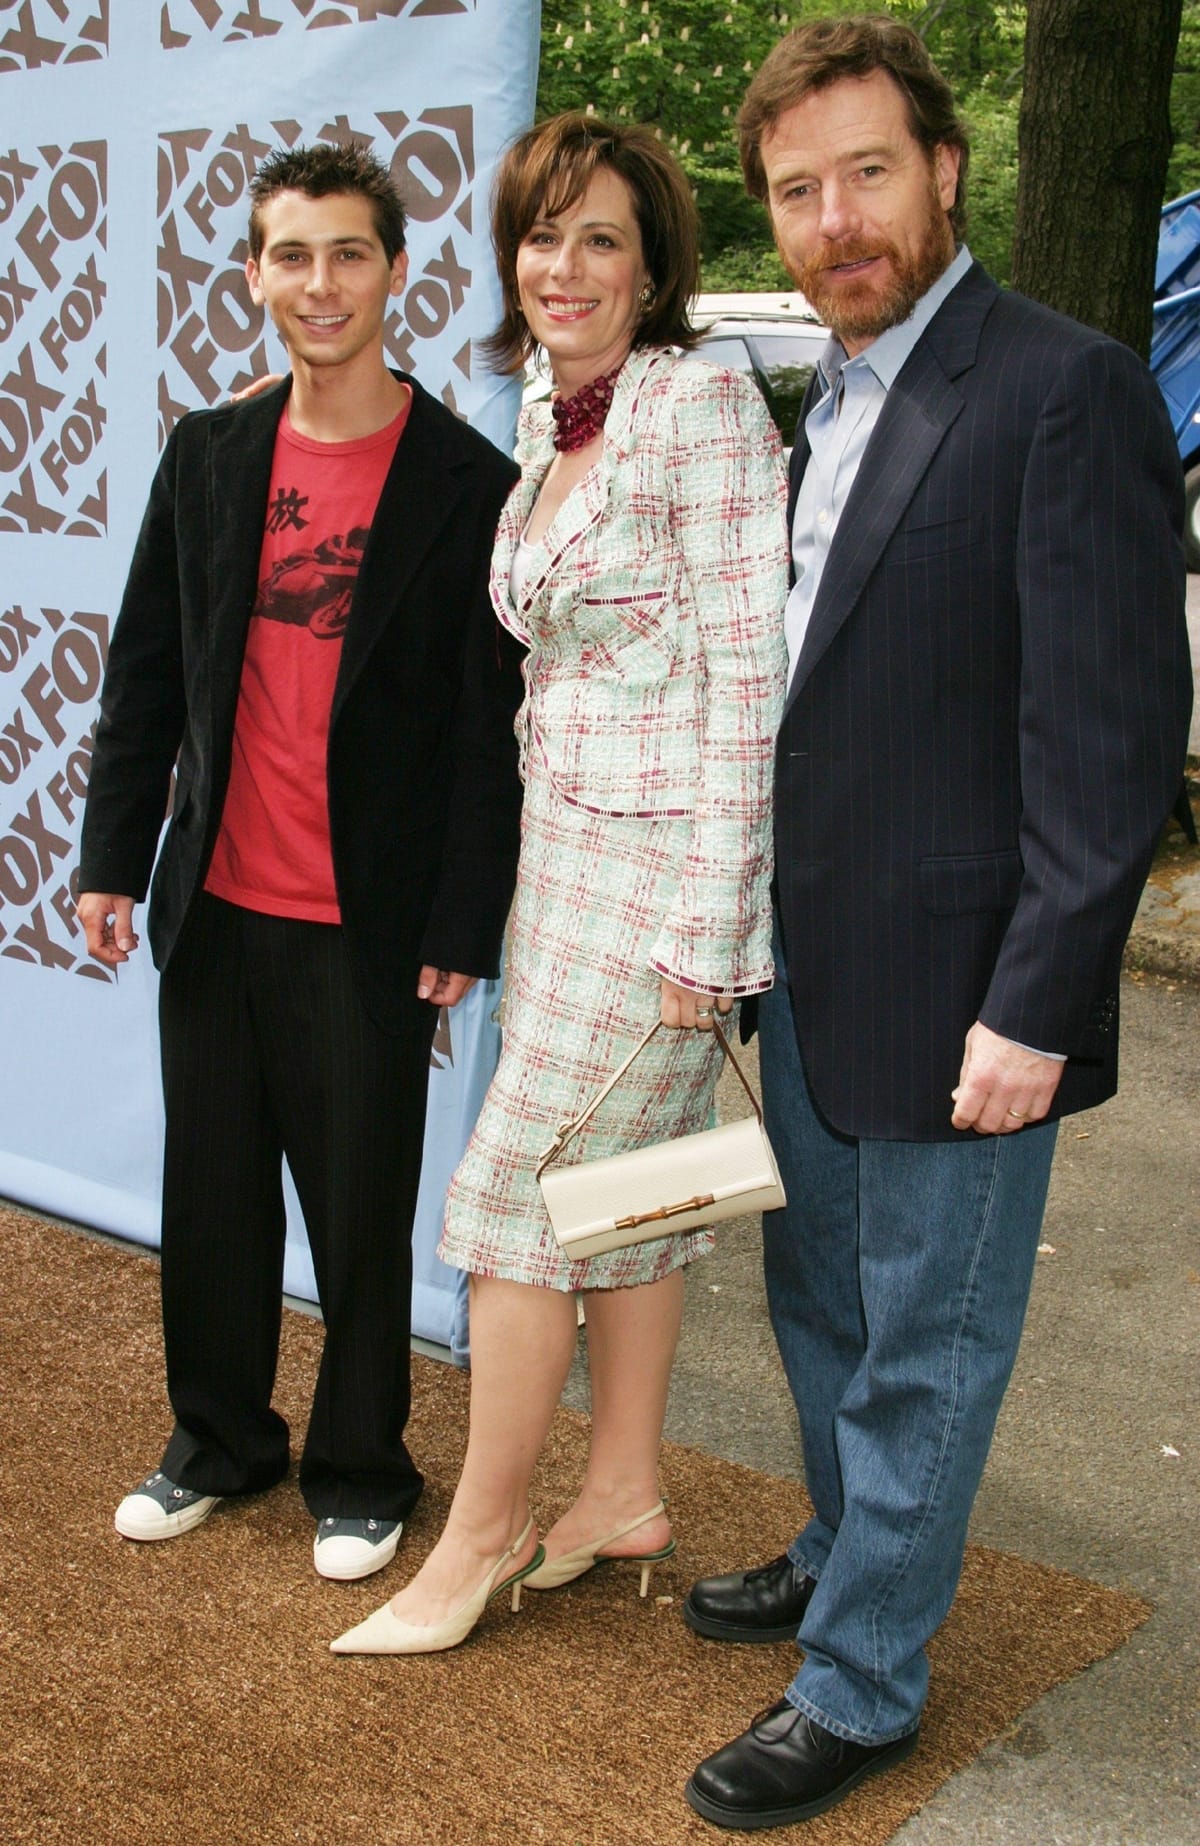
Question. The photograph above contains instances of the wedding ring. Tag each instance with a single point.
(1017, 1114)
(704, 1012)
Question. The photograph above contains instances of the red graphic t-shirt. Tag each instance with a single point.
(273, 852)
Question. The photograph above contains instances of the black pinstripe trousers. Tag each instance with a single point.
(268, 1052)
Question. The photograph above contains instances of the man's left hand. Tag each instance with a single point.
(442, 988)
(1001, 1085)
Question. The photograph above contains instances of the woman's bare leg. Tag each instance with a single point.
(522, 1342)
(632, 1334)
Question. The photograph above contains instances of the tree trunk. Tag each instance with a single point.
(1094, 140)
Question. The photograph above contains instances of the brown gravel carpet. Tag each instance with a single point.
(185, 1692)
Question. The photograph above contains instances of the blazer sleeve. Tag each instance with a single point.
(143, 705)
(483, 802)
(726, 498)
(1105, 694)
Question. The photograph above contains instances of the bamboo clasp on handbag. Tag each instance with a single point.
(665, 1211)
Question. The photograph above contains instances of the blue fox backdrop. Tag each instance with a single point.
(129, 134)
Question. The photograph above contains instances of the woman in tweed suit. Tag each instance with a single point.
(642, 560)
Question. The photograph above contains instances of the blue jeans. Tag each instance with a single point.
(897, 1278)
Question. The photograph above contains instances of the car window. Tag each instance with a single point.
(788, 362)
(725, 351)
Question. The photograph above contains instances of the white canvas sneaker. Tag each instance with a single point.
(346, 1549)
(160, 1509)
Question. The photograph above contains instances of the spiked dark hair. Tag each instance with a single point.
(329, 167)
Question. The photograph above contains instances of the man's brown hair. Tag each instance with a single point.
(824, 51)
(546, 171)
(325, 168)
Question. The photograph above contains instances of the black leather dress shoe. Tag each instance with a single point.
(785, 1768)
(751, 1605)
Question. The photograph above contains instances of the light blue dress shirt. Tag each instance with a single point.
(838, 434)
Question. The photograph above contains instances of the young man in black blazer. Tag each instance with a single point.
(306, 638)
(984, 729)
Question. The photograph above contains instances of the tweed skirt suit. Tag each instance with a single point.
(652, 609)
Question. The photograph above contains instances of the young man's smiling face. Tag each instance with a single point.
(858, 207)
(324, 278)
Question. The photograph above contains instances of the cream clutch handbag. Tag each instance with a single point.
(606, 1204)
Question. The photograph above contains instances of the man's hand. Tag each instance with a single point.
(255, 387)
(1001, 1085)
(441, 988)
(108, 925)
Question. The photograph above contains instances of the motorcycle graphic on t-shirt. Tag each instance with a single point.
(315, 586)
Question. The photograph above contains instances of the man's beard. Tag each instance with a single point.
(862, 311)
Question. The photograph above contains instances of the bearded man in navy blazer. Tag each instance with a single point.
(985, 726)
(306, 637)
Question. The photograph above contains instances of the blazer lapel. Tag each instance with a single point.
(240, 453)
(586, 504)
(419, 496)
(799, 460)
(918, 410)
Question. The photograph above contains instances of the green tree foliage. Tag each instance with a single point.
(1183, 169)
(992, 180)
(682, 66)
(979, 45)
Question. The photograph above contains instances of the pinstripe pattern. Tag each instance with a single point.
(267, 1050)
(654, 681)
(988, 716)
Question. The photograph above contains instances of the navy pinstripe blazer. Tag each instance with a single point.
(988, 718)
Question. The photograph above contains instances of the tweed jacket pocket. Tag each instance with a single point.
(629, 635)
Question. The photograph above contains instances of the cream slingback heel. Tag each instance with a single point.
(383, 1633)
(552, 1574)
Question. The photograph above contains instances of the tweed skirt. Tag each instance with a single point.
(592, 891)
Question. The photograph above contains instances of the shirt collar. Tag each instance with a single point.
(886, 355)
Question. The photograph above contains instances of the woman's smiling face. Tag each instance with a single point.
(579, 277)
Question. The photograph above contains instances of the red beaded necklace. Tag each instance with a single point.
(577, 419)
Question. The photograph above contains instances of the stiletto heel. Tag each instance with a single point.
(552, 1574)
(384, 1633)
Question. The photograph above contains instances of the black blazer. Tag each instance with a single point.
(988, 718)
(424, 798)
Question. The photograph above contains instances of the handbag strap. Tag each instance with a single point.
(568, 1130)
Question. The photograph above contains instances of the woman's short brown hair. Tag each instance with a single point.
(546, 171)
(826, 50)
